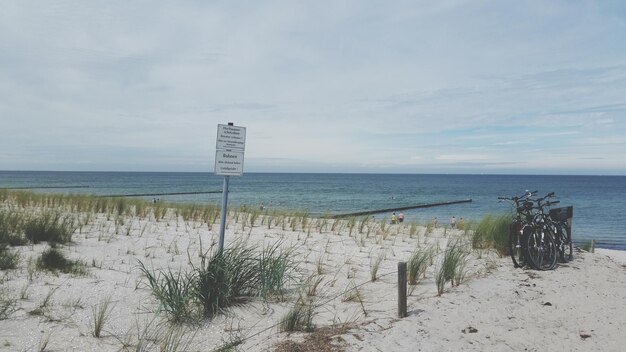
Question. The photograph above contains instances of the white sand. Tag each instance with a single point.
(512, 309)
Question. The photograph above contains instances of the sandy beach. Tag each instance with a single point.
(577, 307)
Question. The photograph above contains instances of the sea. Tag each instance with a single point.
(599, 202)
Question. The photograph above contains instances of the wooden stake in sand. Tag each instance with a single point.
(593, 246)
(402, 289)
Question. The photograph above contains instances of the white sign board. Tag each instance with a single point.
(231, 137)
(228, 163)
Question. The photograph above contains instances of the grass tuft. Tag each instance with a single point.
(225, 277)
(492, 232)
(375, 265)
(299, 318)
(8, 258)
(452, 266)
(50, 227)
(275, 267)
(52, 259)
(100, 315)
(417, 264)
(11, 228)
(174, 292)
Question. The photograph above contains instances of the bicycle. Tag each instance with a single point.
(541, 248)
(563, 232)
(523, 216)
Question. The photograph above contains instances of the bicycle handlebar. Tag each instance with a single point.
(526, 195)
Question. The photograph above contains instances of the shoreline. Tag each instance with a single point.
(617, 255)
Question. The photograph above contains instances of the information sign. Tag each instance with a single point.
(231, 137)
(228, 163)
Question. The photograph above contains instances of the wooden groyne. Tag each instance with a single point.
(418, 206)
(43, 187)
(156, 194)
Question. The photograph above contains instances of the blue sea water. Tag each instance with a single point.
(599, 202)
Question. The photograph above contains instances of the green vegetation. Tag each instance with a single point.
(100, 313)
(7, 305)
(299, 318)
(375, 265)
(225, 277)
(44, 306)
(222, 280)
(417, 264)
(52, 259)
(174, 292)
(8, 258)
(493, 232)
(311, 284)
(586, 245)
(275, 268)
(50, 227)
(452, 266)
(11, 223)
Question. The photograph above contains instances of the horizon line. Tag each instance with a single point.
(327, 173)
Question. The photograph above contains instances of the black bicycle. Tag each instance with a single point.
(562, 230)
(523, 217)
(541, 248)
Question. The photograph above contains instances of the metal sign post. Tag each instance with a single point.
(229, 150)
(220, 245)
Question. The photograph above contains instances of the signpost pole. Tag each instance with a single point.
(220, 246)
(229, 150)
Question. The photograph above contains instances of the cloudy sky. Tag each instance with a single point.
(321, 86)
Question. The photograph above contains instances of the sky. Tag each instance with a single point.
(511, 87)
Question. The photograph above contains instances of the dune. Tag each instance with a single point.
(346, 272)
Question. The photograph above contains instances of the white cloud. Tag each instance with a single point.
(361, 84)
(462, 157)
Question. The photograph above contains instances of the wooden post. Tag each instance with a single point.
(402, 289)
(593, 246)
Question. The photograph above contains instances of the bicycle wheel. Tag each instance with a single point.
(564, 244)
(541, 250)
(515, 246)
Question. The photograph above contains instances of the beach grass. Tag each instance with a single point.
(8, 258)
(53, 259)
(224, 277)
(492, 231)
(375, 265)
(259, 266)
(45, 304)
(418, 263)
(299, 317)
(173, 291)
(311, 284)
(586, 245)
(452, 265)
(11, 227)
(50, 227)
(7, 304)
(100, 314)
(276, 265)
